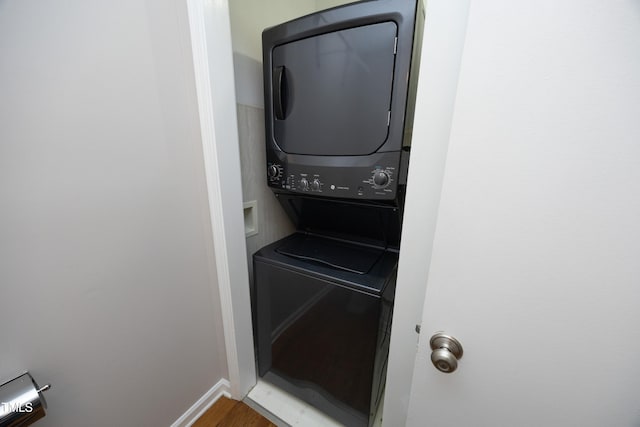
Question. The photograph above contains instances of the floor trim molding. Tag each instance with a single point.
(222, 388)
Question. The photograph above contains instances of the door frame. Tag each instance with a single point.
(443, 40)
(211, 38)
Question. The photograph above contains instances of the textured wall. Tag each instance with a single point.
(272, 221)
(248, 19)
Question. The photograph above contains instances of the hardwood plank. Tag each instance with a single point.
(216, 413)
(231, 413)
(242, 415)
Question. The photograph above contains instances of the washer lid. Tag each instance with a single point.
(334, 253)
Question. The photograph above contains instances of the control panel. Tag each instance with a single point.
(378, 181)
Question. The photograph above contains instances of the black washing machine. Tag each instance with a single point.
(322, 306)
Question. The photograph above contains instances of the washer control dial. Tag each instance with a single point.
(381, 178)
(315, 185)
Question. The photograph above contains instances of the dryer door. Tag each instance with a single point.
(332, 92)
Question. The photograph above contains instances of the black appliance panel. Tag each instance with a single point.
(373, 224)
(320, 337)
(332, 92)
(320, 159)
(373, 282)
(372, 177)
(338, 254)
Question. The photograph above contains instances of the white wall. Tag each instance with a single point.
(107, 282)
(326, 4)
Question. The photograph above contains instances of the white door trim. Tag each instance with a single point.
(442, 46)
(211, 39)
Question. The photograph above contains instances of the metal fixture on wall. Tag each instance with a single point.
(21, 401)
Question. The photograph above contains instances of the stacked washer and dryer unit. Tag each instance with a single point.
(338, 111)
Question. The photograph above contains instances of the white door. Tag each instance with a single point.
(535, 265)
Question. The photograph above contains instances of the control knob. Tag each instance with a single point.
(315, 185)
(274, 171)
(381, 178)
(304, 184)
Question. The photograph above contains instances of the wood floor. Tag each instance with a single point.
(231, 413)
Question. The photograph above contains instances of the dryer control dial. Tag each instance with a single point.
(381, 178)
(304, 184)
(274, 171)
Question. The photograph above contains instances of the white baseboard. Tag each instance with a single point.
(222, 388)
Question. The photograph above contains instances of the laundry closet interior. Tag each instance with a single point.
(325, 109)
